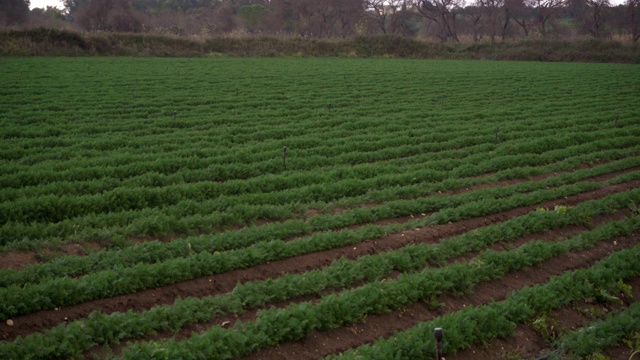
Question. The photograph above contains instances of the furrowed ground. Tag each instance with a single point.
(310, 208)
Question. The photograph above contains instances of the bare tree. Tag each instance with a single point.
(506, 20)
(491, 10)
(545, 11)
(349, 12)
(325, 17)
(521, 14)
(13, 12)
(473, 14)
(633, 19)
(223, 19)
(593, 23)
(110, 15)
(381, 11)
(443, 13)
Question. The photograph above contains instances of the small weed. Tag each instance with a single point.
(603, 296)
(46, 256)
(433, 303)
(510, 355)
(119, 242)
(560, 209)
(624, 289)
(597, 356)
(546, 326)
(593, 313)
(635, 211)
(634, 344)
(614, 293)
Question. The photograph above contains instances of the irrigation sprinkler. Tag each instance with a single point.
(437, 332)
(497, 134)
(284, 156)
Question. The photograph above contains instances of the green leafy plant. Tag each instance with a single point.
(546, 326)
(633, 342)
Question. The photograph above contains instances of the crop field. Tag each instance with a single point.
(299, 208)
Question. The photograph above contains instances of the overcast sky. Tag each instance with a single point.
(45, 3)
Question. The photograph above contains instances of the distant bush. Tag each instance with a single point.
(67, 43)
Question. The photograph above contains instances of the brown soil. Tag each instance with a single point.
(385, 325)
(323, 343)
(221, 283)
(14, 260)
(529, 344)
(251, 315)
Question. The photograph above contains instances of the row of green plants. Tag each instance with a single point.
(475, 325)
(241, 133)
(178, 183)
(134, 149)
(154, 252)
(119, 114)
(52, 208)
(600, 335)
(121, 166)
(131, 148)
(72, 339)
(350, 306)
(122, 280)
(185, 217)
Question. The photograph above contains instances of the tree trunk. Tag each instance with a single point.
(507, 16)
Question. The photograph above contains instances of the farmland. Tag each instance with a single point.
(318, 208)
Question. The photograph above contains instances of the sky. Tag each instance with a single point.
(44, 3)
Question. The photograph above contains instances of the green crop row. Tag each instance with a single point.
(217, 170)
(602, 334)
(131, 152)
(96, 329)
(350, 306)
(157, 221)
(212, 197)
(477, 325)
(250, 165)
(154, 252)
(65, 291)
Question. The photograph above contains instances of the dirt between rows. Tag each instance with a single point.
(251, 314)
(323, 343)
(16, 259)
(221, 283)
(527, 343)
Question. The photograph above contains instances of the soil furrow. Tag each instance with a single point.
(250, 315)
(338, 340)
(221, 283)
(527, 343)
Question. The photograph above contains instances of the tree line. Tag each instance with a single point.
(441, 20)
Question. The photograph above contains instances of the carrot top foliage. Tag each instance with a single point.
(165, 171)
(105, 148)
